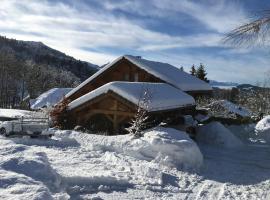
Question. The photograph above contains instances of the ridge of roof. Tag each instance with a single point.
(164, 71)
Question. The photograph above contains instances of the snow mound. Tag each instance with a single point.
(262, 128)
(19, 186)
(216, 134)
(169, 147)
(49, 98)
(166, 146)
(25, 174)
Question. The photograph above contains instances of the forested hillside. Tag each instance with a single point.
(32, 68)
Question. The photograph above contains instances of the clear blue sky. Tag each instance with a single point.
(181, 32)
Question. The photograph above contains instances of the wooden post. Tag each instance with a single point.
(115, 116)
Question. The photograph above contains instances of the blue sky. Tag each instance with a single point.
(182, 32)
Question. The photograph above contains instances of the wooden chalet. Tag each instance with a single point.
(112, 95)
(116, 103)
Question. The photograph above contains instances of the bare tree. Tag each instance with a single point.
(140, 121)
(257, 100)
(255, 32)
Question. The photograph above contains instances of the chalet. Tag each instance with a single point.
(113, 94)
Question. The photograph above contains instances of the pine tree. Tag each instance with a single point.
(193, 71)
(182, 68)
(201, 73)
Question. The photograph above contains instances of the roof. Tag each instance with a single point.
(162, 95)
(164, 71)
(49, 98)
(232, 108)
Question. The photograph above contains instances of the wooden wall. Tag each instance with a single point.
(113, 107)
(119, 112)
(121, 71)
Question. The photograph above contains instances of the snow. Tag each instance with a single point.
(262, 128)
(164, 71)
(49, 98)
(162, 95)
(13, 113)
(232, 108)
(215, 133)
(74, 165)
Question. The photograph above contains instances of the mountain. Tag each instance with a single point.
(40, 54)
(223, 85)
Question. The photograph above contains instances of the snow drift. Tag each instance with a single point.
(166, 146)
(262, 128)
(215, 133)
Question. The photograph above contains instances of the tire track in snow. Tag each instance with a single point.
(207, 190)
(211, 190)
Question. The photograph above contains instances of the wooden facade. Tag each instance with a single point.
(115, 113)
(123, 70)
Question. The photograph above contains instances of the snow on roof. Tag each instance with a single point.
(49, 98)
(13, 113)
(233, 108)
(162, 95)
(170, 74)
(164, 71)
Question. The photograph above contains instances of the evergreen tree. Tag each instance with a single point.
(182, 68)
(201, 73)
(193, 71)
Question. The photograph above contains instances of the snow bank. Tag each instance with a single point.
(25, 174)
(166, 146)
(49, 98)
(169, 147)
(262, 128)
(215, 133)
(19, 186)
(246, 133)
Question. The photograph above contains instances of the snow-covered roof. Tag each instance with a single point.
(164, 71)
(162, 95)
(14, 113)
(49, 98)
(232, 108)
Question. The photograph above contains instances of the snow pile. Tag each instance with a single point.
(25, 174)
(262, 128)
(215, 133)
(165, 146)
(231, 108)
(162, 95)
(245, 132)
(49, 98)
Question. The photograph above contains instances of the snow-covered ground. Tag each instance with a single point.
(164, 164)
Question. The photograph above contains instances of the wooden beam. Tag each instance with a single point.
(112, 112)
(115, 125)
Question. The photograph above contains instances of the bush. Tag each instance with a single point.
(59, 115)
